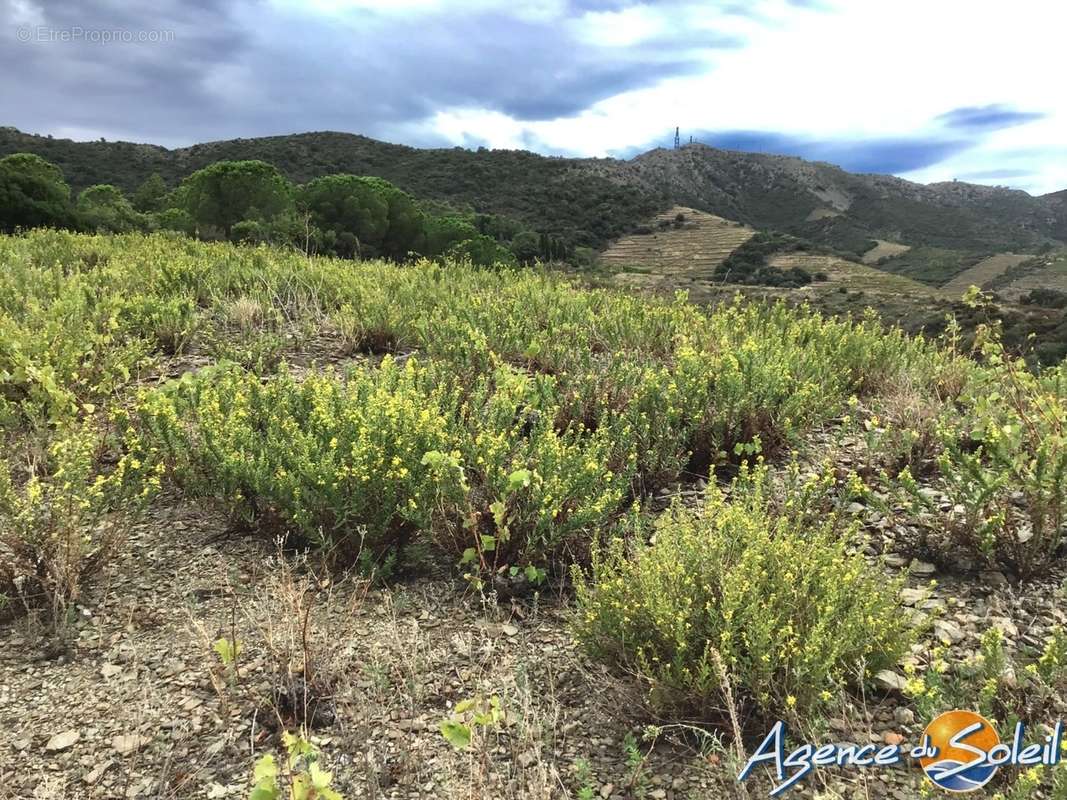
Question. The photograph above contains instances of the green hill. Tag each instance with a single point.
(552, 195)
(594, 201)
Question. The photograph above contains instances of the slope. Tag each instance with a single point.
(681, 243)
(983, 272)
(590, 201)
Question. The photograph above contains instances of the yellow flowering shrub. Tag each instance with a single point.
(535, 492)
(59, 526)
(790, 613)
(340, 462)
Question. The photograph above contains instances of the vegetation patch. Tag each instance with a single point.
(748, 263)
(740, 597)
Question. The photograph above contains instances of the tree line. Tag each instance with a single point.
(250, 201)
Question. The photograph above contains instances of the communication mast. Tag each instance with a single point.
(677, 137)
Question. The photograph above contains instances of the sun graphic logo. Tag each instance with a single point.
(960, 743)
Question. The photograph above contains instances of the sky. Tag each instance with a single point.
(929, 90)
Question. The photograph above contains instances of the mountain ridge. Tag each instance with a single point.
(595, 200)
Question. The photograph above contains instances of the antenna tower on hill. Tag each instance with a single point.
(677, 138)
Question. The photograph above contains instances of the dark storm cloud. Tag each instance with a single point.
(881, 155)
(987, 118)
(253, 68)
(57, 71)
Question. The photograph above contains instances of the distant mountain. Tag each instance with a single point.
(591, 201)
(826, 204)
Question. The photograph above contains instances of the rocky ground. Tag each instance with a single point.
(134, 701)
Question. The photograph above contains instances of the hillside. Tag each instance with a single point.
(593, 201)
(681, 243)
(435, 537)
(984, 271)
(1048, 271)
(552, 195)
(828, 205)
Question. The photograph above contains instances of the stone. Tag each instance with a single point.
(948, 632)
(97, 772)
(124, 745)
(922, 568)
(992, 579)
(62, 741)
(903, 716)
(913, 597)
(1006, 626)
(888, 679)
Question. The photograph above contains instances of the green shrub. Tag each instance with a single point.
(169, 322)
(1003, 465)
(59, 527)
(338, 462)
(790, 614)
(535, 493)
(63, 341)
(999, 683)
(300, 777)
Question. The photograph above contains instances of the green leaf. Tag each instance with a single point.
(464, 705)
(302, 788)
(320, 778)
(519, 479)
(266, 768)
(469, 555)
(488, 543)
(265, 792)
(500, 513)
(456, 734)
(227, 650)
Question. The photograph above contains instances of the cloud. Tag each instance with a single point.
(994, 174)
(987, 118)
(253, 68)
(869, 154)
(820, 79)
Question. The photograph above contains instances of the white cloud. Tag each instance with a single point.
(860, 70)
(532, 10)
(623, 28)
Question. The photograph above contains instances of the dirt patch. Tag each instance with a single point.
(884, 249)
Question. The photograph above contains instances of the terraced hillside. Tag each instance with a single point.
(848, 274)
(1051, 274)
(681, 243)
(883, 249)
(983, 272)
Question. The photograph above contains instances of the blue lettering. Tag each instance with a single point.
(770, 749)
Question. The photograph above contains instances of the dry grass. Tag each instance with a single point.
(982, 273)
(246, 313)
